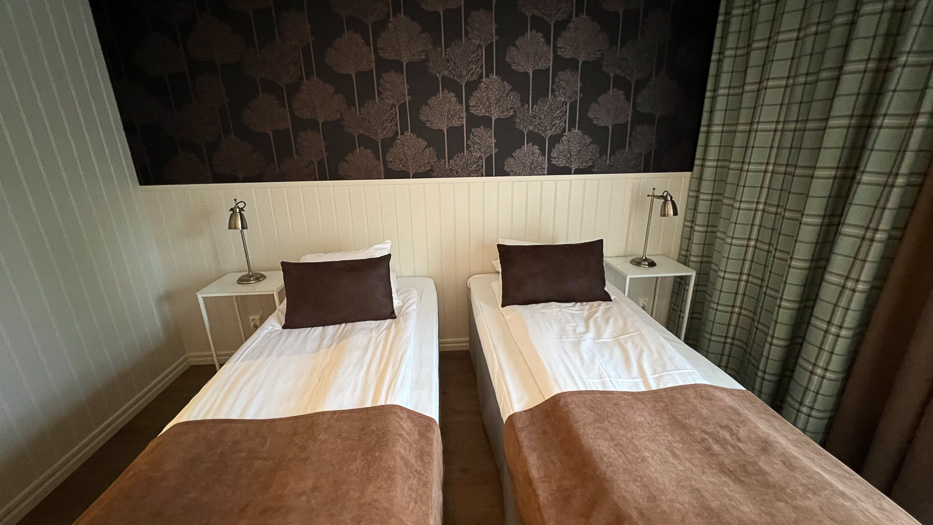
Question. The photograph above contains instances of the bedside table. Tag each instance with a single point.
(227, 286)
(667, 267)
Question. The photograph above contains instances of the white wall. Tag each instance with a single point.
(442, 228)
(85, 336)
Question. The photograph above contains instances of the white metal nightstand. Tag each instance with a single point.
(666, 267)
(227, 286)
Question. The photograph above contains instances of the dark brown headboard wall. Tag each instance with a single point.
(269, 90)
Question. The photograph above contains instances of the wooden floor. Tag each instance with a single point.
(472, 492)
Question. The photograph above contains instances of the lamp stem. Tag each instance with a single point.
(249, 267)
(644, 253)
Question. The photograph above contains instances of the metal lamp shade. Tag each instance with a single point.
(237, 220)
(668, 206)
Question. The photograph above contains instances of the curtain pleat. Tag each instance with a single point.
(884, 425)
(817, 130)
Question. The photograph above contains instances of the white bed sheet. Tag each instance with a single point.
(280, 373)
(523, 379)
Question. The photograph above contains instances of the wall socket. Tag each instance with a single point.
(255, 321)
(643, 303)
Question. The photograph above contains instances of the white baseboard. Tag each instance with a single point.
(454, 343)
(39, 489)
(205, 358)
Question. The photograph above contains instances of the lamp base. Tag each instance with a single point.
(251, 278)
(643, 262)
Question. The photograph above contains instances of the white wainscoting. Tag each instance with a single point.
(442, 228)
(85, 339)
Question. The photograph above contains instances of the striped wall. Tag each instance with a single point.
(442, 228)
(85, 337)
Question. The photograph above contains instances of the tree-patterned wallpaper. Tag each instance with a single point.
(270, 90)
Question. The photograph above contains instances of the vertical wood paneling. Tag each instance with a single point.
(504, 222)
(490, 220)
(432, 226)
(477, 225)
(461, 248)
(548, 200)
(444, 229)
(519, 209)
(419, 227)
(442, 242)
(575, 220)
(401, 202)
(83, 327)
(533, 210)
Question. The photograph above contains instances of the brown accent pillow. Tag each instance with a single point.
(560, 273)
(337, 292)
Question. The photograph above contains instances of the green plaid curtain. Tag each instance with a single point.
(816, 134)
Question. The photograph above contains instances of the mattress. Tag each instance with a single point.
(516, 376)
(280, 373)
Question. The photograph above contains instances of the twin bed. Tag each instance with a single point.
(595, 414)
(509, 382)
(333, 424)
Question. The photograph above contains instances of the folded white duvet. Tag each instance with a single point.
(281, 373)
(594, 346)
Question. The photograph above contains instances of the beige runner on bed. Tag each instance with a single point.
(685, 454)
(369, 465)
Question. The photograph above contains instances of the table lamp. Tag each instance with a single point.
(668, 209)
(237, 221)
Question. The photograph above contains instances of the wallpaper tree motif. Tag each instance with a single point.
(267, 90)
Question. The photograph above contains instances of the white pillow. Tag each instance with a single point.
(376, 250)
(512, 242)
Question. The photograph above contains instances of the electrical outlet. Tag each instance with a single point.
(254, 322)
(643, 303)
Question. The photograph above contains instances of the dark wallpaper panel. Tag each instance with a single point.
(270, 90)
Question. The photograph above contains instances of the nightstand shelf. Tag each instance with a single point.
(226, 286)
(667, 267)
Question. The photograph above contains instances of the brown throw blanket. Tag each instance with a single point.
(687, 454)
(370, 465)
